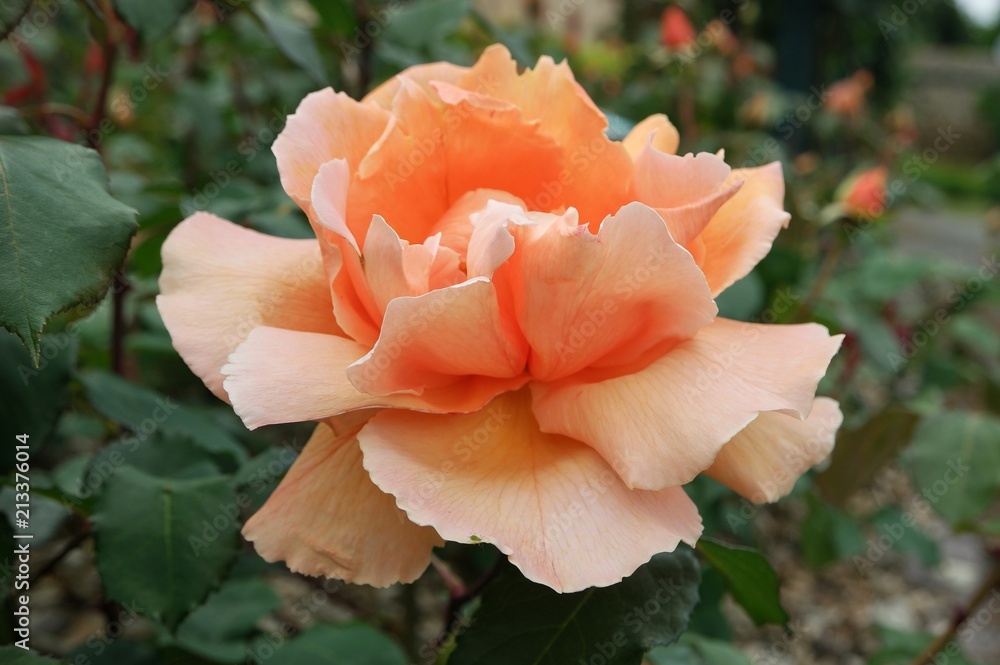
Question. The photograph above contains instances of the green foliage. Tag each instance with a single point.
(750, 578)
(324, 644)
(955, 462)
(11, 655)
(55, 203)
(220, 629)
(152, 20)
(529, 623)
(163, 544)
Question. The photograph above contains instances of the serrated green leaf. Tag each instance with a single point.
(750, 578)
(324, 644)
(62, 235)
(220, 629)
(955, 463)
(523, 622)
(152, 20)
(163, 544)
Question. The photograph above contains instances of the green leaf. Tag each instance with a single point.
(152, 20)
(11, 13)
(694, 649)
(163, 544)
(62, 235)
(143, 411)
(338, 15)
(955, 463)
(829, 534)
(523, 622)
(903, 531)
(32, 398)
(323, 644)
(424, 24)
(220, 629)
(750, 578)
(293, 39)
(862, 452)
(11, 655)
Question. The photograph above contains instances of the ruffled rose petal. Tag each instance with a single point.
(551, 503)
(456, 225)
(221, 280)
(655, 129)
(742, 231)
(587, 300)
(283, 376)
(325, 126)
(421, 75)
(663, 425)
(764, 460)
(429, 340)
(687, 191)
(328, 519)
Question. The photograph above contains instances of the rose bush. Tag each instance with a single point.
(505, 328)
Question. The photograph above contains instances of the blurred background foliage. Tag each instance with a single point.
(886, 117)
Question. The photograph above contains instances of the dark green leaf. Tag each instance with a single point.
(152, 20)
(219, 629)
(862, 452)
(323, 644)
(144, 411)
(523, 622)
(62, 235)
(32, 398)
(423, 24)
(163, 544)
(11, 13)
(829, 534)
(338, 15)
(11, 655)
(750, 578)
(955, 463)
(294, 40)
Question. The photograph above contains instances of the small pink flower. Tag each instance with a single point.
(676, 31)
(505, 328)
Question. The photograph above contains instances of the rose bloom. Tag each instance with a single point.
(676, 31)
(505, 330)
(864, 194)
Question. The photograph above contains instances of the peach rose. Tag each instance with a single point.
(506, 330)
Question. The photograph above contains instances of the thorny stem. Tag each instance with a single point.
(942, 641)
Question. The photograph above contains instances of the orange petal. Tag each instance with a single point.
(587, 300)
(221, 280)
(422, 75)
(550, 502)
(687, 191)
(657, 130)
(429, 340)
(664, 424)
(283, 376)
(742, 231)
(326, 125)
(764, 460)
(328, 519)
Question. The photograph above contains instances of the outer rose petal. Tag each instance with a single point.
(550, 502)
(282, 376)
(221, 280)
(742, 231)
(687, 191)
(764, 460)
(328, 519)
(664, 424)
(587, 300)
(430, 340)
(655, 129)
(326, 125)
